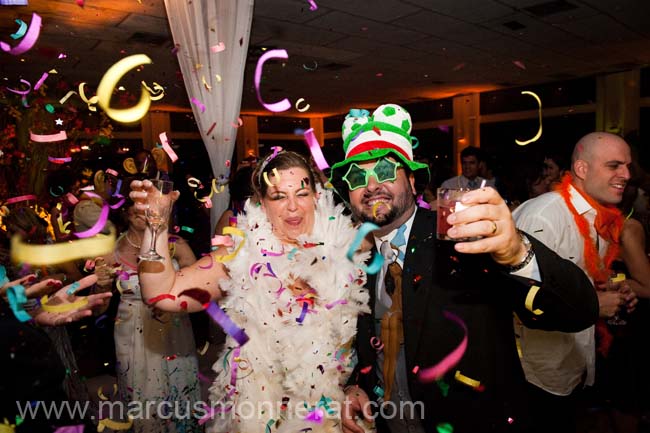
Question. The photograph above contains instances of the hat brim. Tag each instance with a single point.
(419, 170)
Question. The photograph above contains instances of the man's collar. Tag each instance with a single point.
(579, 202)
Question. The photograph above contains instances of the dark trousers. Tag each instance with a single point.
(553, 413)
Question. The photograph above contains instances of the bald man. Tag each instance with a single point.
(580, 222)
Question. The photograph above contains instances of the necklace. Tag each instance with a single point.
(126, 235)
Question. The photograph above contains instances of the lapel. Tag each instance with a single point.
(417, 280)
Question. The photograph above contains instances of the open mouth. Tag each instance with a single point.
(293, 221)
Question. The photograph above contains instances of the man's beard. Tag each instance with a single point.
(402, 204)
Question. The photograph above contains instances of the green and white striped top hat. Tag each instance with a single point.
(367, 137)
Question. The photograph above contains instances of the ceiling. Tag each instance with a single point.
(350, 52)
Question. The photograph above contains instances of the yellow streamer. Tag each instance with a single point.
(157, 92)
(100, 393)
(214, 189)
(539, 132)
(62, 308)
(466, 380)
(205, 348)
(52, 254)
(91, 102)
(303, 109)
(109, 82)
(114, 425)
(275, 174)
(205, 83)
(530, 298)
(232, 231)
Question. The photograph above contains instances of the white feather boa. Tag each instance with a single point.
(299, 364)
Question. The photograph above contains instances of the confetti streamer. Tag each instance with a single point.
(41, 80)
(21, 30)
(303, 109)
(20, 198)
(101, 221)
(59, 160)
(229, 327)
(59, 136)
(312, 5)
(70, 429)
(539, 131)
(211, 128)
(67, 96)
(530, 298)
(310, 68)
(315, 150)
(114, 425)
(519, 64)
(377, 261)
(62, 308)
(109, 82)
(157, 92)
(22, 92)
(90, 102)
(276, 107)
(166, 147)
(52, 254)
(231, 231)
(437, 371)
(29, 39)
(17, 299)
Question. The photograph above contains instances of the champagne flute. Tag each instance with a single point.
(616, 320)
(157, 214)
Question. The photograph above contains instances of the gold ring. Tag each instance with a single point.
(494, 228)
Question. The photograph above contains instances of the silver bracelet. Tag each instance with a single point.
(530, 253)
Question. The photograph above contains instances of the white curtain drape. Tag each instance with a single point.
(212, 40)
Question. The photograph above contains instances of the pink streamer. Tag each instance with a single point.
(166, 147)
(22, 92)
(59, 136)
(28, 41)
(59, 160)
(70, 429)
(276, 107)
(218, 48)
(335, 303)
(20, 198)
(101, 221)
(312, 5)
(41, 80)
(437, 371)
(314, 148)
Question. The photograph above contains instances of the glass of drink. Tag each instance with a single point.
(157, 215)
(449, 201)
(616, 279)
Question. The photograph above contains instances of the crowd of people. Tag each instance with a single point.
(344, 310)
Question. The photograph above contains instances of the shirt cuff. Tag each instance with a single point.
(530, 271)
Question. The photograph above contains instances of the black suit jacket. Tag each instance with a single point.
(435, 279)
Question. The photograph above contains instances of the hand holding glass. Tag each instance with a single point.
(159, 205)
(449, 201)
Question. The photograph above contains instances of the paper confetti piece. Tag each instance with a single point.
(21, 30)
(28, 40)
(67, 96)
(100, 393)
(445, 427)
(211, 128)
(519, 64)
(156, 299)
(109, 82)
(465, 380)
(276, 107)
(218, 48)
(228, 326)
(530, 298)
(59, 160)
(539, 131)
(204, 350)
(437, 371)
(52, 254)
(310, 68)
(198, 103)
(59, 136)
(312, 5)
(166, 147)
(22, 92)
(303, 109)
(276, 176)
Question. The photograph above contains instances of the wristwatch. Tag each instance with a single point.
(530, 253)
